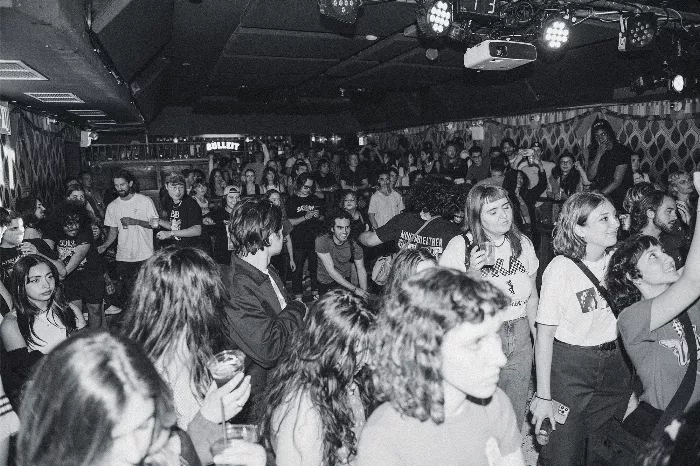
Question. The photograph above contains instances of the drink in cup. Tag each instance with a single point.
(490, 250)
(225, 365)
(246, 432)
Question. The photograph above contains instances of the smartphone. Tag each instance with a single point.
(561, 412)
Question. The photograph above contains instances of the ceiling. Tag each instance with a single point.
(277, 66)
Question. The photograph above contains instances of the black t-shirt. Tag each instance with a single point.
(353, 178)
(610, 160)
(403, 228)
(324, 182)
(221, 218)
(181, 217)
(304, 234)
(91, 264)
(454, 170)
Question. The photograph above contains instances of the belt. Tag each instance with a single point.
(607, 346)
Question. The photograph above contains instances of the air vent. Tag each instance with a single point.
(18, 71)
(88, 113)
(56, 97)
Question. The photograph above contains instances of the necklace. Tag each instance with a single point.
(502, 242)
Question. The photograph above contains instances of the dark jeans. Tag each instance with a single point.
(595, 385)
(515, 375)
(300, 256)
(128, 271)
(324, 288)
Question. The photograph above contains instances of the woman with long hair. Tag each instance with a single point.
(405, 264)
(284, 261)
(359, 224)
(114, 410)
(33, 213)
(39, 321)
(608, 165)
(217, 182)
(578, 359)
(513, 269)
(568, 177)
(318, 394)
(655, 299)
(176, 315)
(199, 193)
(271, 180)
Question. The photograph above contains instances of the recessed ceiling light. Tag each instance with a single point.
(371, 37)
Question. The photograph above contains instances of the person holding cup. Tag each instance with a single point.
(176, 314)
(493, 247)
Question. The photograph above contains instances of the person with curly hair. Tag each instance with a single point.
(427, 202)
(654, 299)
(609, 164)
(655, 215)
(578, 360)
(317, 396)
(406, 263)
(436, 360)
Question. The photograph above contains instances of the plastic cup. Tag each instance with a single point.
(490, 250)
(247, 432)
(225, 365)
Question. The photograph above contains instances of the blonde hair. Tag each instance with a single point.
(575, 211)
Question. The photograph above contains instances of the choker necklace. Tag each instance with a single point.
(502, 242)
(479, 401)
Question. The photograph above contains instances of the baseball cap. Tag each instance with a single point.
(175, 178)
(231, 189)
(536, 144)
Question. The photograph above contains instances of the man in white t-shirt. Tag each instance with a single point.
(386, 203)
(129, 219)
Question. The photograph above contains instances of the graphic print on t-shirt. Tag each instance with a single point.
(411, 241)
(679, 346)
(66, 250)
(175, 220)
(499, 270)
(588, 299)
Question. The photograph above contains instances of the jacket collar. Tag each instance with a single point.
(241, 266)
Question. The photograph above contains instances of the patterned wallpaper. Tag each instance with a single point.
(32, 157)
(666, 133)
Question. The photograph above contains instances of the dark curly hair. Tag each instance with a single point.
(635, 194)
(252, 223)
(431, 194)
(623, 269)
(651, 201)
(410, 329)
(324, 359)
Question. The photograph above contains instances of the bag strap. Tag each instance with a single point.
(685, 389)
(421, 228)
(601, 289)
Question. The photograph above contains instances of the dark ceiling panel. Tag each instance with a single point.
(350, 68)
(264, 81)
(292, 44)
(232, 65)
(403, 76)
(447, 56)
(389, 48)
(132, 31)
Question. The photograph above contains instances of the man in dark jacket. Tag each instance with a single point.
(261, 315)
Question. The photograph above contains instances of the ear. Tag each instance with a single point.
(578, 231)
(651, 214)
(635, 281)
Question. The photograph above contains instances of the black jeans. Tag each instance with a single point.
(595, 385)
(128, 271)
(300, 256)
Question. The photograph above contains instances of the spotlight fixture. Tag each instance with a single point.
(344, 11)
(637, 31)
(677, 83)
(457, 32)
(434, 18)
(555, 33)
(646, 82)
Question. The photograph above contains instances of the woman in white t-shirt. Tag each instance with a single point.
(578, 359)
(489, 217)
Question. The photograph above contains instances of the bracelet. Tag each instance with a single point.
(5, 406)
(543, 399)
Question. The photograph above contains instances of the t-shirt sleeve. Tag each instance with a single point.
(111, 216)
(390, 230)
(532, 263)
(194, 212)
(373, 209)
(507, 431)
(151, 208)
(634, 322)
(550, 309)
(358, 252)
(323, 246)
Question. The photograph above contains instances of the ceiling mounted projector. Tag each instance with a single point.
(499, 55)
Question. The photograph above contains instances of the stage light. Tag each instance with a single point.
(555, 33)
(636, 31)
(434, 18)
(677, 83)
(340, 10)
(457, 32)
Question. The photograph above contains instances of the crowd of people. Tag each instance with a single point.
(390, 308)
